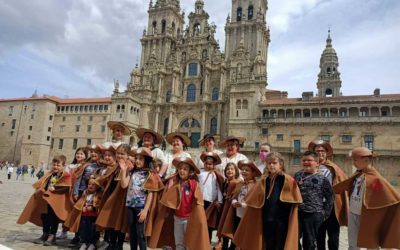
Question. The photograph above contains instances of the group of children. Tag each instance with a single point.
(118, 191)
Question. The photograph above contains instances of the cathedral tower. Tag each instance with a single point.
(329, 82)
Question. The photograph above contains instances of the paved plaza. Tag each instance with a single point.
(13, 197)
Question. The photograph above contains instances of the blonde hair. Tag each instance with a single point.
(276, 155)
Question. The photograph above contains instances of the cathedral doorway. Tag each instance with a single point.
(192, 128)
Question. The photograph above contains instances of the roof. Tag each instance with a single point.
(338, 99)
(60, 100)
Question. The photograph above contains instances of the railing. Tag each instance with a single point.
(347, 119)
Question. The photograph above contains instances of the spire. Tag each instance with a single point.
(35, 94)
(329, 39)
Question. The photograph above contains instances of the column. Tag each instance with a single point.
(170, 121)
(156, 119)
(203, 120)
(219, 118)
(206, 91)
(160, 85)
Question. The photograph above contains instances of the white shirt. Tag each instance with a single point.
(225, 160)
(10, 170)
(158, 154)
(115, 144)
(169, 157)
(357, 196)
(209, 187)
(200, 163)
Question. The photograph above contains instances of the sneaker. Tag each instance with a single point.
(74, 242)
(41, 239)
(91, 247)
(51, 240)
(62, 235)
(83, 246)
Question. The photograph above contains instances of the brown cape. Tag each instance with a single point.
(227, 204)
(74, 218)
(212, 212)
(58, 200)
(380, 213)
(196, 236)
(249, 234)
(341, 201)
(228, 229)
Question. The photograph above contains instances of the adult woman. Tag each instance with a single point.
(178, 142)
(208, 142)
(232, 145)
(118, 131)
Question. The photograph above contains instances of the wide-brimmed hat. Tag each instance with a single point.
(94, 148)
(158, 139)
(326, 145)
(205, 155)
(251, 164)
(107, 148)
(205, 137)
(113, 124)
(361, 152)
(187, 160)
(232, 138)
(184, 138)
(143, 152)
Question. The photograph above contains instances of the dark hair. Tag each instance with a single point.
(234, 166)
(84, 151)
(192, 173)
(310, 153)
(59, 159)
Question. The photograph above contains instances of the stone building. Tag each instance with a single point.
(185, 83)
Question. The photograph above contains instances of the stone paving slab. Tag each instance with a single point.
(13, 197)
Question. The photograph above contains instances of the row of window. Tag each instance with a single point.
(11, 109)
(121, 108)
(239, 13)
(191, 93)
(88, 128)
(82, 108)
(242, 104)
(74, 143)
(78, 118)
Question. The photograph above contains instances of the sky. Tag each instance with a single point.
(78, 48)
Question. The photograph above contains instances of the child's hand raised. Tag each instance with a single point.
(123, 165)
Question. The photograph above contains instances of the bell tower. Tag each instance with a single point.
(329, 82)
(248, 20)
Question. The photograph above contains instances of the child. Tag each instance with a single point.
(211, 183)
(84, 214)
(96, 157)
(157, 165)
(232, 174)
(236, 211)
(317, 194)
(142, 181)
(271, 212)
(374, 218)
(184, 201)
(113, 215)
(50, 203)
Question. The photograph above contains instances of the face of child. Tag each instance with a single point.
(309, 164)
(247, 173)
(118, 133)
(274, 166)
(209, 165)
(58, 167)
(121, 154)
(360, 162)
(80, 156)
(92, 186)
(139, 161)
(230, 172)
(184, 171)
(322, 153)
(148, 140)
(109, 158)
(94, 156)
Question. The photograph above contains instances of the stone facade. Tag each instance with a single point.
(185, 83)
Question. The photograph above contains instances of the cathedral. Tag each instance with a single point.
(185, 83)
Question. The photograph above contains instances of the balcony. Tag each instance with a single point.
(336, 119)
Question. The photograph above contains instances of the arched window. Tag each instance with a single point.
(168, 96)
(123, 108)
(213, 126)
(118, 108)
(196, 29)
(191, 93)
(239, 14)
(215, 94)
(154, 27)
(163, 26)
(192, 69)
(173, 28)
(245, 104)
(195, 124)
(328, 70)
(250, 12)
(185, 124)
(165, 129)
(238, 104)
